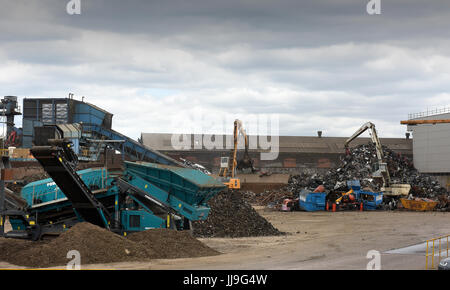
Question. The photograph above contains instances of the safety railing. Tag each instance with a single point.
(429, 113)
(439, 250)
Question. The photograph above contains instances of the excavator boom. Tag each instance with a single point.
(382, 171)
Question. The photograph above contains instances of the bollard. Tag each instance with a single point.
(361, 206)
(334, 207)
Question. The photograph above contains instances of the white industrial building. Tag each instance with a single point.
(431, 144)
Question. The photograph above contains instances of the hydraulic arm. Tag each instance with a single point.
(382, 170)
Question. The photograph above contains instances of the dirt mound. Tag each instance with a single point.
(232, 216)
(97, 246)
(169, 244)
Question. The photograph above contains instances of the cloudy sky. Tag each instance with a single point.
(158, 65)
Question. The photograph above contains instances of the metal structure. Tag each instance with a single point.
(128, 146)
(38, 112)
(429, 113)
(419, 122)
(381, 170)
(8, 110)
(142, 196)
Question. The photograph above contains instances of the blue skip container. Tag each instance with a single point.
(312, 201)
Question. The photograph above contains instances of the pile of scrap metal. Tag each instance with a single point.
(268, 198)
(194, 165)
(379, 169)
(381, 173)
(358, 165)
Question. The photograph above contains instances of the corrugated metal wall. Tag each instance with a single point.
(431, 146)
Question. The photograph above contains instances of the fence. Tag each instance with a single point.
(428, 113)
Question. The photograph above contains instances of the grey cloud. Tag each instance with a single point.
(316, 63)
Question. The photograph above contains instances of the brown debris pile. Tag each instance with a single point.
(97, 246)
(268, 197)
(232, 216)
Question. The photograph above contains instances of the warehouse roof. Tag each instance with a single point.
(299, 144)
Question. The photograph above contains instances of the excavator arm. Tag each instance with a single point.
(382, 171)
(246, 161)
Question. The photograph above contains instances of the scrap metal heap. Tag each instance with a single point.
(358, 166)
(188, 164)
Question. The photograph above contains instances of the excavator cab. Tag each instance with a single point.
(233, 183)
(379, 170)
(225, 172)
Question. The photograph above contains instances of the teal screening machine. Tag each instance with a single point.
(141, 196)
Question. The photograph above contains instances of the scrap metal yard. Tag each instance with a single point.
(123, 205)
(227, 140)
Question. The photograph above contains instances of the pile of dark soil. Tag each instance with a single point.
(97, 246)
(232, 216)
(172, 244)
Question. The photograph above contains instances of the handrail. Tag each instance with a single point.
(433, 242)
(429, 113)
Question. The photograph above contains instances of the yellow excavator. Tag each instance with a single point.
(228, 165)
